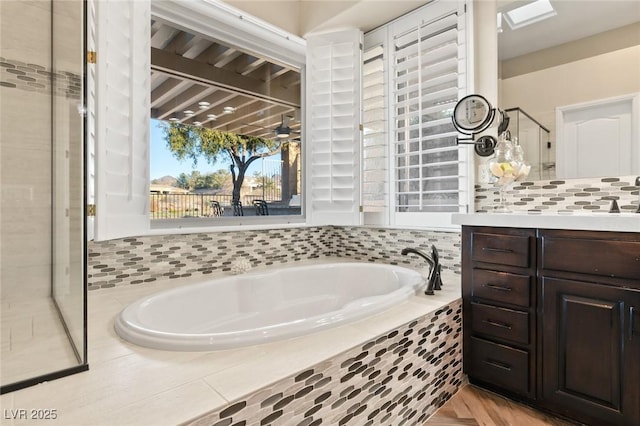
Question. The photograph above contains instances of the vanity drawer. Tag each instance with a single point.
(500, 365)
(512, 250)
(593, 256)
(502, 287)
(501, 323)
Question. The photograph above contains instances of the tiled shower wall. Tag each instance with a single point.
(594, 195)
(131, 261)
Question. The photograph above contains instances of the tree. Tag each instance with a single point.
(218, 178)
(186, 141)
(183, 181)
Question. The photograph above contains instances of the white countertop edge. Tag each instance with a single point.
(601, 222)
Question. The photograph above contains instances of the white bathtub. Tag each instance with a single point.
(261, 307)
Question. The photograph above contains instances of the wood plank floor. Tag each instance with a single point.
(475, 406)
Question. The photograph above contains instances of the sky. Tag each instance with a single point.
(163, 163)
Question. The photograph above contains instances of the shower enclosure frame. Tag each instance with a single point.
(81, 353)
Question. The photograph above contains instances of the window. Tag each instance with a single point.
(225, 132)
(421, 58)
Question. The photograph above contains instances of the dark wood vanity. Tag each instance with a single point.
(551, 318)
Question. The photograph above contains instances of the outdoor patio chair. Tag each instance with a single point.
(237, 208)
(216, 209)
(261, 207)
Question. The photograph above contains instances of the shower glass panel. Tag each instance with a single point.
(42, 244)
(534, 139)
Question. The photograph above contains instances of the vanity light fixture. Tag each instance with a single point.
(529, 14)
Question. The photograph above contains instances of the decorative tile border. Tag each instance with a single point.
(400, 378)
(37, 78)
(146, 259)
(594, 195)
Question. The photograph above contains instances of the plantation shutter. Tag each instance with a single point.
(333, 88)
(375, 184)
(122, 118)
(428, 76)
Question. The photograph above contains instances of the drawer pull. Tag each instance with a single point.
(499, 250)
(497, 324)
(497, 364)
(498, 287)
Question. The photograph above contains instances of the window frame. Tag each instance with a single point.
(243, 32)
(385, 35)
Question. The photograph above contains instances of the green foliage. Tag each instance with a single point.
(196, 180)
(183, 181)
(191, 142)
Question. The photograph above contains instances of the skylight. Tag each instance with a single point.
(529, 13)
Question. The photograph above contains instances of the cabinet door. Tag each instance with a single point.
(591, 351)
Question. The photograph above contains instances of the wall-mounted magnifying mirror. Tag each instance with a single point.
(473, 114)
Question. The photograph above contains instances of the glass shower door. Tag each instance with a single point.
(68, 132)
(42, 246)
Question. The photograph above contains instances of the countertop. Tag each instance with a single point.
(620, 222)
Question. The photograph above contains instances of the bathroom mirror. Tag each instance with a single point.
(473, 114)
(585, 51)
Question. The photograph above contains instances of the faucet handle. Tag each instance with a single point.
(614, 206)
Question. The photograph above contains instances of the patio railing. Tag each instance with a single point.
(174, 206)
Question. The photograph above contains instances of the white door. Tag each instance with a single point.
(598, 138)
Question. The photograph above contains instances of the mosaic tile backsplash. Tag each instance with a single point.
(131, 261)
(574, 195)
(399, 378)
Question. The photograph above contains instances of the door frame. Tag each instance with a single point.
(633, 99)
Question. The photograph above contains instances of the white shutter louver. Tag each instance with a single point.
(122, 118)
(333, 130)
(426, 91)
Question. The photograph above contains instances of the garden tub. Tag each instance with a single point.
(260, 307)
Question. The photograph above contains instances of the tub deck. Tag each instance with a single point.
(132, 385)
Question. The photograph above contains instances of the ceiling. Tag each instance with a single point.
(192, 73)
(575, 19)
(188, 69)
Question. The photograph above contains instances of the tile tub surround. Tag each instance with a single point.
(138, 260)
(131, 385)
(573, 195)
(399, 378)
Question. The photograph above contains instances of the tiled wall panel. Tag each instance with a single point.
(145, 259)
(573, 195)
(399, 378)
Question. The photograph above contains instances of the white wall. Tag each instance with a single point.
(599, 76)
(306, 16)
